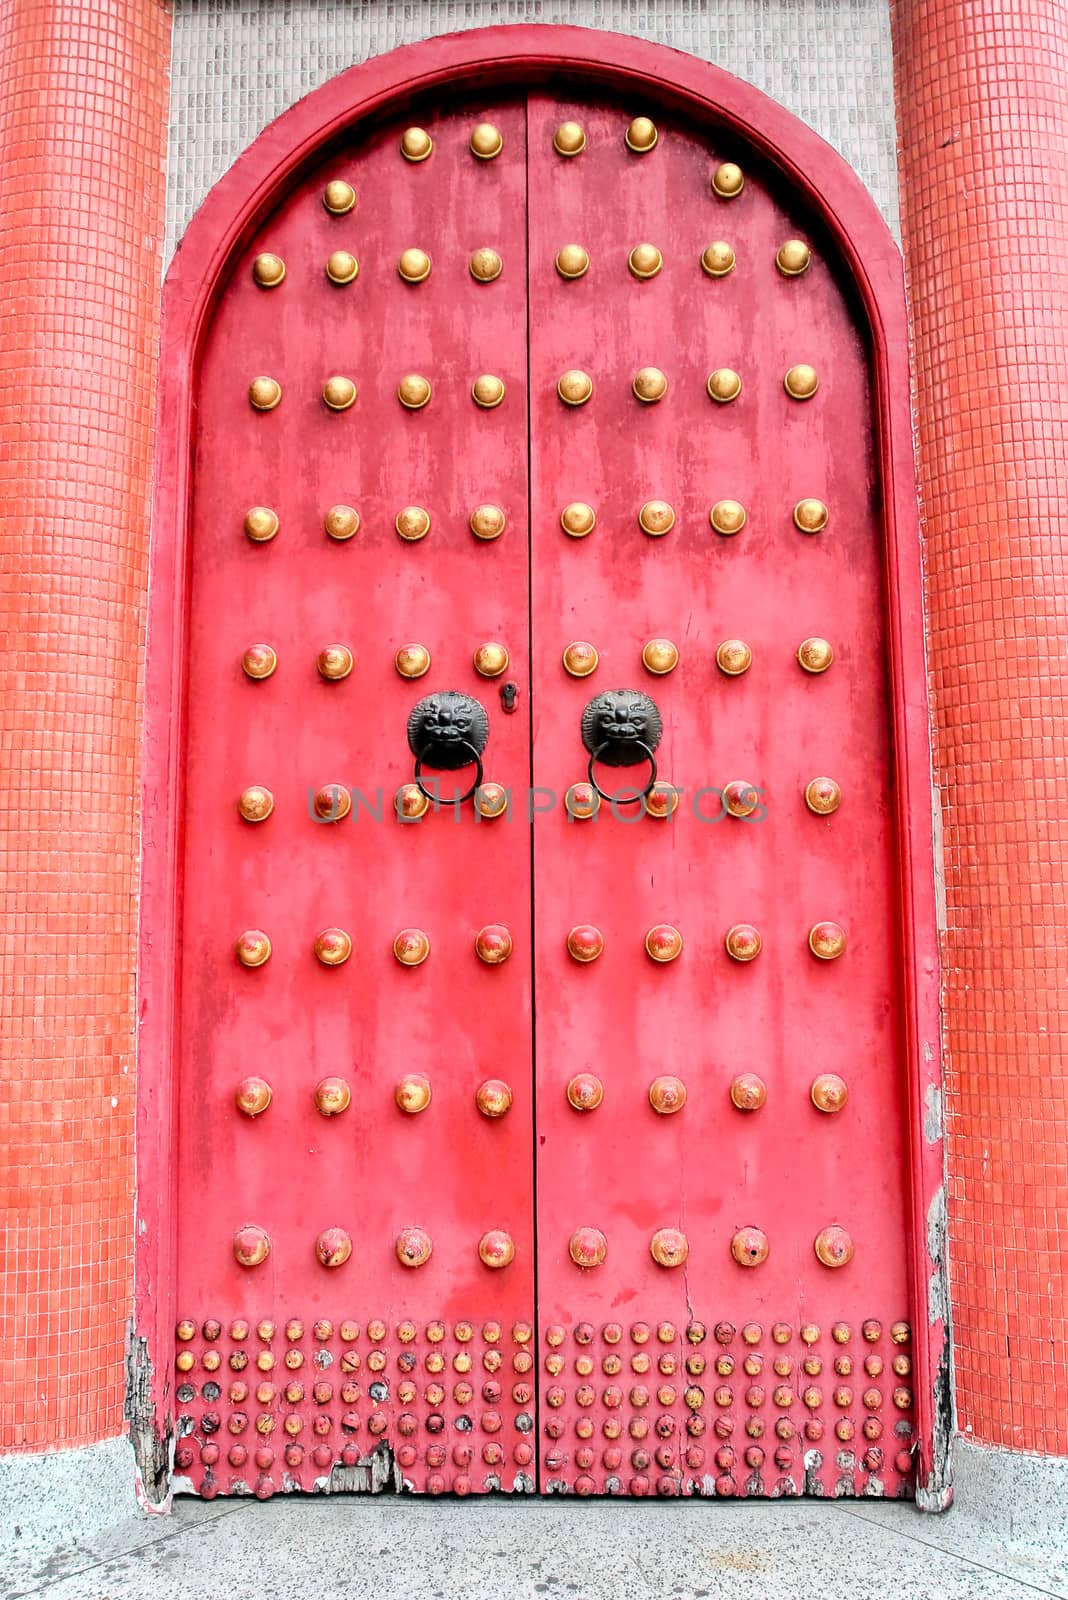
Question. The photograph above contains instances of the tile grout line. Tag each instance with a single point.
(979, 1566)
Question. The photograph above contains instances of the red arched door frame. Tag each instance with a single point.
(532, 55)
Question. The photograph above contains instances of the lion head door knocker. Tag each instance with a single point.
(448, 731)
(622, 728)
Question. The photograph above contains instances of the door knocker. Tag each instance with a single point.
(448, 730)
(622, 727)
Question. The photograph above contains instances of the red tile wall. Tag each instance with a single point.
(982, 93)
(82, 152)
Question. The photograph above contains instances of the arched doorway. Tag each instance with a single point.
(539, 404)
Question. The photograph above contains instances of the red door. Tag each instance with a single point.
(533, 1139)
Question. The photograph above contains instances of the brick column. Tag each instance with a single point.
(982, 92)
(82, 152)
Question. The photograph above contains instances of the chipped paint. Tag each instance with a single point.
(933, 1113)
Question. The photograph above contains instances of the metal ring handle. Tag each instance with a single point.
(438, 799)
(641, 795)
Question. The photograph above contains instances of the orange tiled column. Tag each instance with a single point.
(982, 94)
(82, 150)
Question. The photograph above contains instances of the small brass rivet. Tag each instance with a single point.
(339, 197)
(663, 942)
(334, 663)
(413, 523)
(414, 392)
(259, 661)
(487, 522)
(740, 797)
(585, 943)
(727, 517)
(416, 144)
(414, 265)
(410, 802)
(801, 382)
(251, 1247)
(569, 139)
(793, 258)
(829, 1092)
(342, 267)
(332, 1097)
(645, 261)
(667, 1095)
(413, 1094)
(332, 802)
(494, 1099)
(814, 655)
(649, 385)
(268, 270)
(656, 518)
(491, 659)
(748, 1092)
(724, 385)
(833, 1247)
(750, 1247)
(660, 656)
(668, 1247)
(339, 393)
(252, 1098)
(585, 1092)
(743, 942)
(264, 393)
(342, 522)
(574, 387)
(823, 796)
(487, 391)
(253, 948)
(728, 180)
(580, 659)
(641, 135)
(718, 259)
(333, 947)
(256, 803)
(572, 261)
(827, 940)
(582, 801)
(411, 947)
(486, 141)
(412, 660)
(588, 1247)
(811, 516)
(493, 944)
(734, 657)
(496, 1249)
(261, 524)
(485, 266)
(662, 800)
(491, 800)
(578, 519)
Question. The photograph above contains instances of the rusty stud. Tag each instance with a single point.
(841, 1333)
(491, 659)
(656, 518)
(743, 942)
(333, 1247)
(264, 394)
(332, 802)
(900, 1333)
(728, 517)
(669, 1247)
(185, 1361)
(259, 661)
(487, 522)
(663, 943)
(334, 663)
(645, 261)
(493, 1098)
(801, 381)
(902, 1399)
(733, 657)
(332, 1096)
(588, 1247)
(487, 391)
(569, 139)
(728, 180)
(414, 391)
(724, 385)
(827, 940)
(253, 948)
(486, 141)
(411, 947)
(491, 800)
(412, 660)
(660, 656)
(412, 523)
(493, 944)
(410, 802)
(580, 658)
(815, 655)
(251, 1246)
(833, 1247)
(748, 1093)
(667, 1095)
(829, 1092)
(252, 1096)
(485, 265)
(339, 197)
(578, 519)
(572, 261)
(585, 943)
(641, 136)
(342, 267)
(255, 803)
(185, 1330)
(810, 516)
(809, 1333)
(574, 387)
(333, 947)
(496, 1249)
(718, 259)
(822, 796)
(413, 1247)
(793, 258)
(416, 144)
(339, 393)
(582, 802)
(412, 1093)
(649, 385)
(750, 1248)
(585, 1092)
(261, 524)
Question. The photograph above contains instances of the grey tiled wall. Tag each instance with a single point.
(238, 63)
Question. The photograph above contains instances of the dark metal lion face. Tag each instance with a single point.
(443, 729)
(616, 722)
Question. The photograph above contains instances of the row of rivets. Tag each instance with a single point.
(661, 656)
(733, 657)
(668, 1095)
(723, 1333)
(650, 384)
(339, 393)
(663, 943)
(349, 1332)
(413, 1247)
